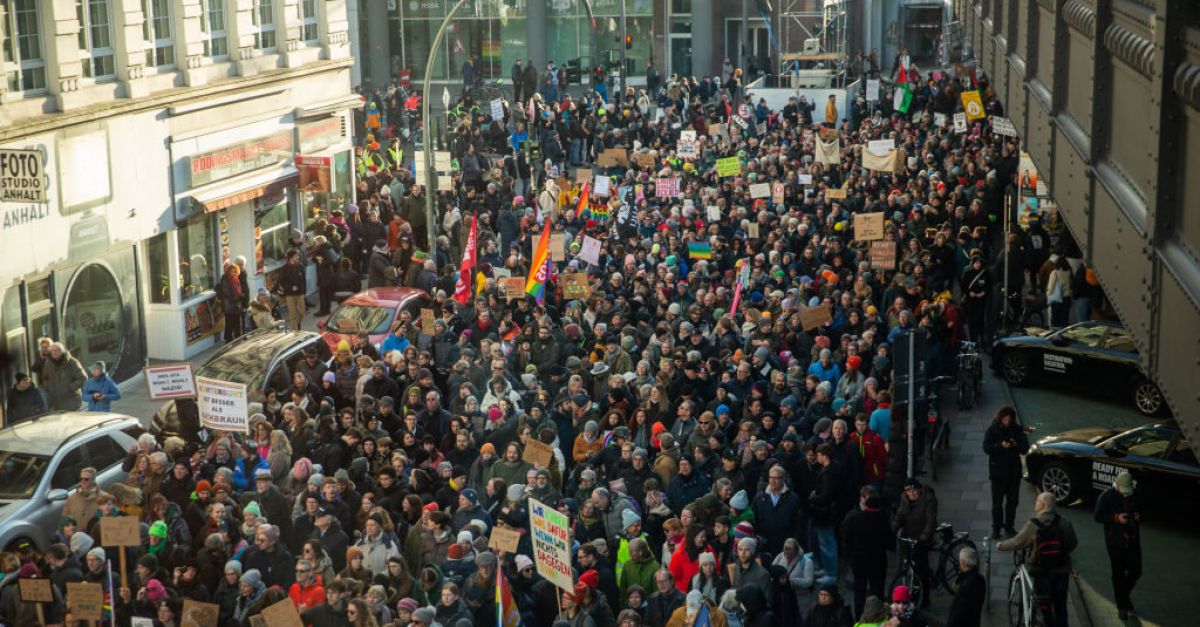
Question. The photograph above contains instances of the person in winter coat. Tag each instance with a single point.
(694, 606)
(293, 286)
(754, 602)
(687, 486)
(1004, 442)
(799, 567)
(62, 377)
(829, 611)
(917, 518)
(99, 391)
(1121, 514)
(866, 538)
(26, 400)
(871, 450)
(967, 606)
(377, 546)
(778, 511)
(234, 300)
(308, 591)
(685, 563)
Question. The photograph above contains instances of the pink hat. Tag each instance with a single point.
(155, 590)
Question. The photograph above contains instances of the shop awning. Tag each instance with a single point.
(274, 187)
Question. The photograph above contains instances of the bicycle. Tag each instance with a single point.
(970, 375)
(949, 544)
(1023, 602)
(909, 575)
(938, 439)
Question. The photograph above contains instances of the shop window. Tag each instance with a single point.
(158, 272)
(198, 261)
(93, 316)
(272, 227)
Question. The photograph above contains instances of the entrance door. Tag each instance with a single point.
(680, 55)
(759, 50)
(40, 318)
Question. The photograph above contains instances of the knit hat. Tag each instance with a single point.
(203, 485)
(823, 425)
(515, 492)
(465, 537)
(522, 562)
(873, 611)
(252, 508)
(252, 577)
(431, 507)
(316, 479)
(98, 553)
(707, 558)
(900, 594)
(149, 561)
(471, 495)
(743, 530)
(488, 447)
(455, 552)
(423, 614)
(740, 501)
(748, 543)
(29, 570)
(629, 517)
(158, 529)
(590, 578)
(485, 559)
(81, 543)
(407, 604)
(233, 566)
(302, 469)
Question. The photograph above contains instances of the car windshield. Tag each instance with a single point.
(355, 318)
(20, 473)
(244, 368)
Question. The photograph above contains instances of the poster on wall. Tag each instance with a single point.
(314, 174)
(199, 321)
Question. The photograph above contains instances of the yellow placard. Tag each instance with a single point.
(973, 105)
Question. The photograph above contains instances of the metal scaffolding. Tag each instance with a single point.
(816, 37)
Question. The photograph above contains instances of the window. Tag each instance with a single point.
(22, 60)
(159, 270)
(66, 476)
(1120, 340)
(216, 40)
(95, 38)
(264, 20)
(157, 33)
(22, 473)
(198, 261)
(1084, 334)
(308, 20)
(1151, 442)
(104, 452)
(1183, 454)
(273, 228)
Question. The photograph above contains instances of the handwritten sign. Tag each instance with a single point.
(753, 233)
(35, 591)
(760, 190)
(222, 407)
(538, 453)
(813, 317)
(713, 212)
(777, 193)
(583, 175)
(868, 226)
(513, 288)
(872, 90)
(590, 250)
(120, 531)
(601, 186)
(613, 157)
(282, 614)
(197, 614)
(497, 109)
(716, 130)
(666, 188)
(836, 193)
(167, 382)
(575, 285)
(804, 179)
(558, 247)
(428, 319)
(1003, 126)
(644, 160)
(883, 255)
(881, 147)
(85, 601)
(550, 533)
(729, 166)
(504, 539)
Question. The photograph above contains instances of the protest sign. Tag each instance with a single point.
(497, 109)
(813, 317)
(120, 531)
(973, 105)
(868, 226)
(939, 119)
(167, 382)
(503, 539)
(804, 179)
(872, 90)
(550, 533)
(282, 614)
(428, 319)
(600, 187)
(883, 255)
(777, 193)
(644, 160)
(513, 288)
(558, 247)
(85, 601)
(881, 147)
(760, 190)
(590, 250)
(35, 590)
(729, 166)
(222, 407)
(753, 232)
(583, 175)
(614, 156)
(829, 153)
(960, 123)
(197, 614)
(835, 193)
(1003, 126)
(666, 188)
(713, 212)
(575, 285)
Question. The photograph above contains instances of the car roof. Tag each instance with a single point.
(246, 359)
(385, 296)
(44, 434)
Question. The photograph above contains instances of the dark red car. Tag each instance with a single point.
(373, 310)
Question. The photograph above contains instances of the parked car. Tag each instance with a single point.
(40, 460)
(1092, 355)
(373, 310)
(1082, 463)
(260, 359)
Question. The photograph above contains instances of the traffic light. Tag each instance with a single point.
(628, 42)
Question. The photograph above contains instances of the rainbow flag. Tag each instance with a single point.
(699, 250)
(601, 211)
(583, 200)
(507, 614)
(539, 270)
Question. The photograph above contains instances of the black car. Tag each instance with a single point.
(260, 359)
(1081, 463)
(1092, 355)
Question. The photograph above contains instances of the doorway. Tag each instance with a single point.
(758, 52)
(680, 55)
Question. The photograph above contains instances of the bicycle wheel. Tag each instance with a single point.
(948, 569)
(908, 577)
(1016, 601)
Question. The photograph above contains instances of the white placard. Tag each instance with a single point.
(174, 381)
(881, 147)
(1003, 126)
(939, 119)
(22, 176)
(687, 136)
(714, 213)
(960, 123)
(760, 190)
(497, 109)
(590, 250)
(600, 186)
(804, 179)
(551, 535)
(222, 405)
(872, 90)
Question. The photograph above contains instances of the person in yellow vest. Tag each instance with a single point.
(831, 111)
(395, 153)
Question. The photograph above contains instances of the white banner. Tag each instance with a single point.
(550, 532)
(222, 405)
(1003, 126)
(872, 89)
(175, 381)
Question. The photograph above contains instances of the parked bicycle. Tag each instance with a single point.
(1024, 607)
(948, 544)
(909, 575)
(938, 439)
(970, 375)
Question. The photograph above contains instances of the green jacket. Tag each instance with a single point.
(640, 573)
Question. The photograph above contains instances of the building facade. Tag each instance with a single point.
(162, 138)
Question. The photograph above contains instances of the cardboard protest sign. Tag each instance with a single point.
(504, 539)
(197, 614)
(551, 535)
(513, 288)
(836, 193)
(428, 319)
(716, 130)
(120, 531)
(760, 190)
(282, 614)
(644, 160)
(583, 175)
(590, 250)
(558, 247)
(868, 226)
(829, 153)
(167, 382)
(893, 161)
(881, 147)
(614, 156)
(538, 453)
(35, 590)
(813, 317)
(85, 601)
(729, 166)
(575, 286)
(883, 255)
(222, 406)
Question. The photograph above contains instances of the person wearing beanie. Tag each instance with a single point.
(866, 539)
(740, 502)
(99, 391)
(469, 508)
(354, 567)
(745, 569)
(874, 614)
(377, 547)
(160, 546)
(250, 591)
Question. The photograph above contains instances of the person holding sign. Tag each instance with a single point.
(26, 597)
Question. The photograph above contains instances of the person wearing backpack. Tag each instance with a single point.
(1050, 539)
(1118, 510)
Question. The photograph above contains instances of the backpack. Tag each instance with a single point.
(1049, 546)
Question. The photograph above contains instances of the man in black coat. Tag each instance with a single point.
(271, 559)
(331, 613)
(273, 504)
(968, 601)
(293, 286)
(665, 601)
(1005, 442)
(830, 482)
(64, 567)
(1118, 510)
(866, 538)
(778, 511)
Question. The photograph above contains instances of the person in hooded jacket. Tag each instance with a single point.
(754, 602)
(866, 539)
(26, 400)
(830, 610)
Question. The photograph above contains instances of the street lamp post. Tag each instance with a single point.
(427, 135)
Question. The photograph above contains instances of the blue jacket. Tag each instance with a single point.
(105, 386)
(830, 374)
(393, 343)
(243, 479)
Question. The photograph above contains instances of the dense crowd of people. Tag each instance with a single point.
(719, 452)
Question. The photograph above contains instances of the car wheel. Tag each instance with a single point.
(1147, 398)
(1056, 479)
(1015, 368)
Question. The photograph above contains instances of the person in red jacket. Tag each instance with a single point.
(871, 449)
(685, 563)
(308, 591)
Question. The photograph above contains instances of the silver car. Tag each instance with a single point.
(40, 460)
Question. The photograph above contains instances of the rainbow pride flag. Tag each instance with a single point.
(539, 270)
(699, 250)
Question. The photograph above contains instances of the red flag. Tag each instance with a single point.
(583, 199)
(462, 289)
(902, 77)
